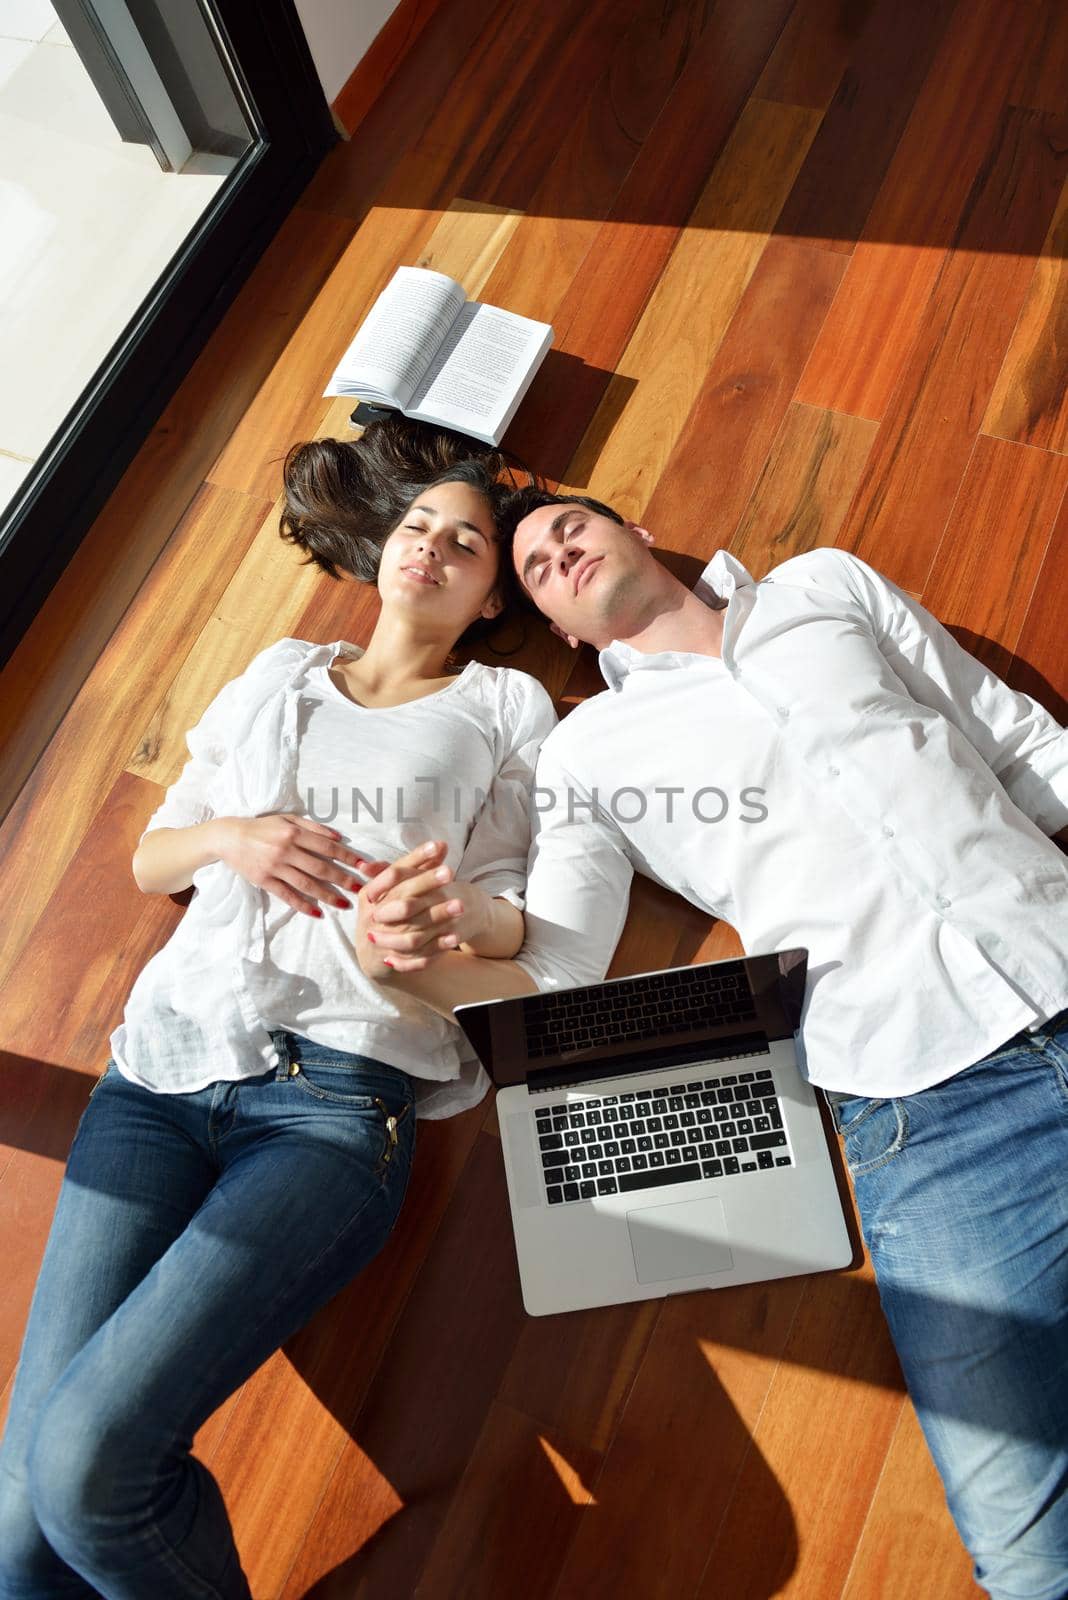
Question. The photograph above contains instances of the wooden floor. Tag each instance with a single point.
(804, 259)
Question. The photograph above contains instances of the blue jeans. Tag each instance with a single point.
(193, 1235)
(963, 1195)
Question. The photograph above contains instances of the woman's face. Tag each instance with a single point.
(440, 563)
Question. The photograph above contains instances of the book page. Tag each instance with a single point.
(479, 369)
(399, 339)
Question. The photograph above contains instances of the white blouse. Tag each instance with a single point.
(456, 765)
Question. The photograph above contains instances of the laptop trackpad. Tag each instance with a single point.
(684, 1240)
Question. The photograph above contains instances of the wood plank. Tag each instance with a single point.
(719, 456)
(1030, 398)
(805, 488)
(354, 173)
(431, 1396)
(524, 1495)
(665, 363)
(683, 1438)
(380, 63)
(922, 449)
(1040, 82)
(42, 678)
(45, 826)
(806, 66)
(892, 55)
(882, 304)
(909, 1544)
(262, 603)
(596, 152)
(989, 562)
(609, 290)
(820, 1441)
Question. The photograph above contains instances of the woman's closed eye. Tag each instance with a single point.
(412, 527)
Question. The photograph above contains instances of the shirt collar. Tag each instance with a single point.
(722, 576)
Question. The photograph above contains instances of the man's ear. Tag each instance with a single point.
(568, 638)
(643, 533)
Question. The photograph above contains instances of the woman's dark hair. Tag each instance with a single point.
(344, 497)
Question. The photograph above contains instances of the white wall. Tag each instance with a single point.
(339, 33)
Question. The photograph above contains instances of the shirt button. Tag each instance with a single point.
(832, 772)
(784, 712)
(943, 903)
(888, 831)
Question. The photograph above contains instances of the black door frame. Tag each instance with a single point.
(46, 521)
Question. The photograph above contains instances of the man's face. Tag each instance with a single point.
(580, 568)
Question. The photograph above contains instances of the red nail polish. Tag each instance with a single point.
(371, 939)
(316, 913)
(387, 961)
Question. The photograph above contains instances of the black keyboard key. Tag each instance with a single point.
(607, 1186)
(767, 1141)
(739, 1146)
(782, 1161)
(551, 1141)
(688, 1119)
(589, 1169)
(572, 1138)
(749, 1166)
(587, 1190)
(671, 1122)
(730, 1166)
(611, 1147)
(555, 1158)
(765, 1160)
(572, 1174)
(674, 1157)
(695, 1136)
(640, 1163)
(657, 1159)
(623, 1164)
(541, 1112)
(571, 1191)
(690, 1154)
(645, 1143)
(711, 1169)
(627, 1147)
(653, 1180)
(722, 1147)
(555, 1194)
(606, 1168)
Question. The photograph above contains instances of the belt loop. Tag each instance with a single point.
(281, 1044)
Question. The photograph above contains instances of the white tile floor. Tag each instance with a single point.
(87, 225)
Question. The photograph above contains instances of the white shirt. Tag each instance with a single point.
(883, 799)
(456, 765)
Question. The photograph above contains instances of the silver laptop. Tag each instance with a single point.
(658, 1135)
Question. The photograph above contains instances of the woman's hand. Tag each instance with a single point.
(289, 856)
(412, 911)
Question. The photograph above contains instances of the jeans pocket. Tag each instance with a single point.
(334, 1086)
(875, 1135)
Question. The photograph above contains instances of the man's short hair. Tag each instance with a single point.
(523, 501)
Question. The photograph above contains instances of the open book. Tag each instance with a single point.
(426, 350)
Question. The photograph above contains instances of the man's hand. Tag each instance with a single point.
(412, 911)
(289, 856)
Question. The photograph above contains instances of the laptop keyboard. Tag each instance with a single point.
(626, 1011)
(650, 1138)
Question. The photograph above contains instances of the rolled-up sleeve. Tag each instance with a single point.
(495, 855)
(1024, 746)
(578, 883)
